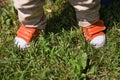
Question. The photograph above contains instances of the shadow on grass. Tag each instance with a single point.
(66, 19)
(110, 14)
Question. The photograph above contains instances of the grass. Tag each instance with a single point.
(61, 52)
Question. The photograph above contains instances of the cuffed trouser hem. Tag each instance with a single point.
(31, 13)
(87, 11)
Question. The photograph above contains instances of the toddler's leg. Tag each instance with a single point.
(30, 12)
(87, 13)
(31, 15)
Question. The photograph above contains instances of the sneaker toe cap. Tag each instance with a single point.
(98, 41)
(22, 44)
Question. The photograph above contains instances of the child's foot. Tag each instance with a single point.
(94, 34)
(25, 35)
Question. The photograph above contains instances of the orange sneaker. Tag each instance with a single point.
(94, 34)
(25, 35)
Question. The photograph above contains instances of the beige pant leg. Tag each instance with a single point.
(31, 13)
(87, 11)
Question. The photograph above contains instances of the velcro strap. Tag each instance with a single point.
(26, 33)
(94, 30)
(95, 35)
